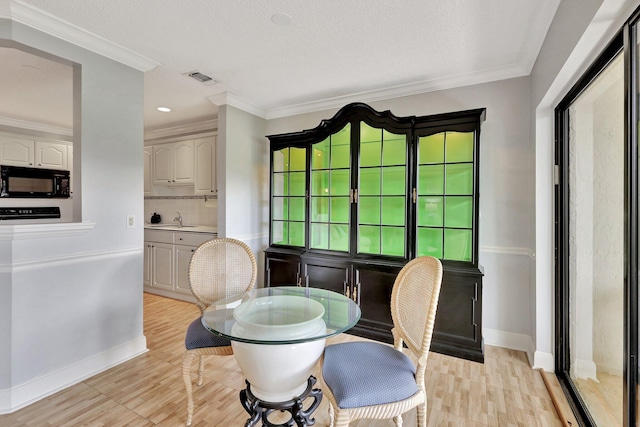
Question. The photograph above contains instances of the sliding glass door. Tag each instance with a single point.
(597, 237)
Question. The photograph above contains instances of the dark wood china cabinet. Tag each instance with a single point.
(357, 197)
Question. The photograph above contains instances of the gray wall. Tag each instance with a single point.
(75, 301)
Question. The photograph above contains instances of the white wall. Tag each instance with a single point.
(505, 203)
(74, 303)
(242, 164)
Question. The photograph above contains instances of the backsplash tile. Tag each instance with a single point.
(194, 209)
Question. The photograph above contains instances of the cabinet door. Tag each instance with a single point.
(183, 258)
(373, 286)
(146, 275)
(205, 166)
(282, 270)
(50, 155)
(163, 164)
(183, 162)
(148, 171)
(327, 274)
(17, 152)
(162, 265)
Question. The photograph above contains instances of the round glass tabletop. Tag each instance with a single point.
(281, 315)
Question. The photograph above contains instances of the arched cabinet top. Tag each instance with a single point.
(358, 111)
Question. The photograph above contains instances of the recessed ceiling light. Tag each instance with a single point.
(164, 109)
(281, 19)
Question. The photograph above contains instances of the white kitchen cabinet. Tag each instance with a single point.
(51, 155)
(18, 151)
(205, 166)
(173, 163)
(148, 171)
(167, 255)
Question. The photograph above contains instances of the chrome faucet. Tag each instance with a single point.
(178, 219)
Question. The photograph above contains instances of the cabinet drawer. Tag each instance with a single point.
(158, 236)
(192, 239)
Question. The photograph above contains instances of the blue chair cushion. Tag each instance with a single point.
(368, 373)
(200, 337)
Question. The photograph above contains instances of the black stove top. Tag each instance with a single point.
(29, 213)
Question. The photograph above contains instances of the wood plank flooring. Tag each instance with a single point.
(148, 390)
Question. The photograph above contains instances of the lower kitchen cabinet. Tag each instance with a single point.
(458, 328)
(166, 261)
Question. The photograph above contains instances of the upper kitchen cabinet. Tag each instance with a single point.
(148, 171)
(18, 151)
(173, 163)
(205, 161)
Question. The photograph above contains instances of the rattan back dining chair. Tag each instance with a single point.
(218, 269)
(367, 379)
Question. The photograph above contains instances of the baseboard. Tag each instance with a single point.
(543, 361)
(504, 339)
(24, 394)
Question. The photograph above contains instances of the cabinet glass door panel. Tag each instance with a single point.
(382, 192)
(288, 204)
(330, 191)
(445, 202)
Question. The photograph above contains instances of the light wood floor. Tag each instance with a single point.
(148, 390)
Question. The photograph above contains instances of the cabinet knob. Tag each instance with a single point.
(180, 238)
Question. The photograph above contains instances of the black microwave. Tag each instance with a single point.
(18, 181)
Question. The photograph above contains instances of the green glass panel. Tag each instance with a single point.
(319, 236)
(320, 183)
(321, 155)
(339, 237)
(280, 184)
(340, 157)
(342, 137)
(431, 180)
(320, 209)
(369, 133)
(459, 179)
(340, 182)
(280, 208)
(431, 149)
(459, 147)
(457, 245)
(370, 146)
(280, 232)
(369, 208)
(296, 208)
(394, 180)
(369, 239)
(393, 210)
(394, 149)
(298, 183)
(393, 241)
(369, 181)
(430, 211)
(296, 233)
(458, 212)
(340, 209)
(298, 159)
(430, 242)
(281, 160)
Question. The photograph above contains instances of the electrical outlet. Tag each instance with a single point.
(131, 221)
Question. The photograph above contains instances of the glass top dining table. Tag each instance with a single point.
(281, 315)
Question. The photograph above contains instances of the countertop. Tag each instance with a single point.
(187, 228)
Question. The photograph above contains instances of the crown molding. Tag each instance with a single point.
(495, 74)
(187, 129)
(50, 24)
(226, 98)
(23, 124)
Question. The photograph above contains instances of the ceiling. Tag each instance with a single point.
(275, 58)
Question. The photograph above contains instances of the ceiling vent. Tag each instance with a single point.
(202, 78)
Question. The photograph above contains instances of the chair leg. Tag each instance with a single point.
(421, 415)
(186, 376)
(342, 419)
(398, 420)
(201, 370)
